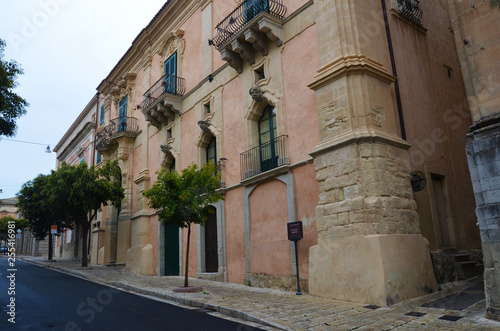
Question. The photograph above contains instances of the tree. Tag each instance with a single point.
(20, 224)
(77, 193)
(33, 203)
(12, 106)
(183, 199)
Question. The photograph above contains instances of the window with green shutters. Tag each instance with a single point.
(212, 151)
(101, 115)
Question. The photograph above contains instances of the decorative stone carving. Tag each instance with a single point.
(166, 148)
(334, 116)
(256, 93)
(378, 114)
(204, 126)
(173, 43)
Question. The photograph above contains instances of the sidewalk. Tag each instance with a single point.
(279, 310)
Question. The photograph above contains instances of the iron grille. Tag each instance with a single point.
(243, 14)
(120, 124)
(166, 84)
(410, 9)
(264, 157)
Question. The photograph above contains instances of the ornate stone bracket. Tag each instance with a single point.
(163, 110)
(253, 36)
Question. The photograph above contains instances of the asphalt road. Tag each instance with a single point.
(50, 300)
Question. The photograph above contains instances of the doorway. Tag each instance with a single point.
(211, 251)
(171, 250)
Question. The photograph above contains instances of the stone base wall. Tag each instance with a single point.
(287, 283)
(483, 154)
(375, 269)
(365, 189)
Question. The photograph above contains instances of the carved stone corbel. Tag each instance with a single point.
(246, 52)
(233, 59)
(258, 41)
(273, 30)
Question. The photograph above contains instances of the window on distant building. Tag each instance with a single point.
(101, 115)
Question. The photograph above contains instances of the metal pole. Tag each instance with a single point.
(297, 265)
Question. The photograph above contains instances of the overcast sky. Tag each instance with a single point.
(66, 48)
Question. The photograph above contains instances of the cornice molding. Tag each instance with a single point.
(347, 66)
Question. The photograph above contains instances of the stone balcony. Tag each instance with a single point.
(163, 100)
(249, 28)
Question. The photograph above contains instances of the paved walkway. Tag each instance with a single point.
(279, 310)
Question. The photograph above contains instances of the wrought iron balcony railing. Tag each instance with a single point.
(243, 14)
(264, 157)
(121, 124)
(167, 84)
(410, 9)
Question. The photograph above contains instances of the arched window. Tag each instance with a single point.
(172, 166)
(267, 139)
(212, 151)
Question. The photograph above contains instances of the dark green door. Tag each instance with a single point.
(171, 250)
(211, 256)
(254, 8)
(170, 71)
(122, 115)
(267, 139)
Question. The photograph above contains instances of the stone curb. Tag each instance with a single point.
(60, 269)
(197, 304)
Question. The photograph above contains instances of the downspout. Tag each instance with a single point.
(394, 72)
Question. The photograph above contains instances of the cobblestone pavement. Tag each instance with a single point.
(279, 310)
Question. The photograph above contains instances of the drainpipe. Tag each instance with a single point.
(394, 72)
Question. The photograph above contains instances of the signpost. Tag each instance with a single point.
(295, 233)
(53, 229)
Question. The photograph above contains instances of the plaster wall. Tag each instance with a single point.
(306, 194)
(233, 129)
(299, 100)
(235, 235)
(269, 215)
(191, 59)
(427, 64)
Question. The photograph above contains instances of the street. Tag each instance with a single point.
(41, 299)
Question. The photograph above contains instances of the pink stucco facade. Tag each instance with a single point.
(312, 101)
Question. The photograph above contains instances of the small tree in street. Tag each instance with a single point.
(33, 204)
(77, 193)
(183, 199)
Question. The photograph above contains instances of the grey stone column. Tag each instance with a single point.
(483, 154)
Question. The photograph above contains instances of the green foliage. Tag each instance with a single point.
(33, 204)
(183, 199)
(70, 195)
(12, 106)
(77, 191)
(20, 223)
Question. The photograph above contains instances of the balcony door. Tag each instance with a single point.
(122, 115)
(170, 71)
(254, 8)
(267, 139)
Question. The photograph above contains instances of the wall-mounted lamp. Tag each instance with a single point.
(47, 150)
(210, 42)
(210, 78)
(139, 107)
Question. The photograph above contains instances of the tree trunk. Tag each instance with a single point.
(187, 257)
(50, 245)
(84, 244)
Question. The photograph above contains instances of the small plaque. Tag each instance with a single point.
(295, 232)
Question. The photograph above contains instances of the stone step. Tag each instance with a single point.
(461, 257)
(470, 269)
